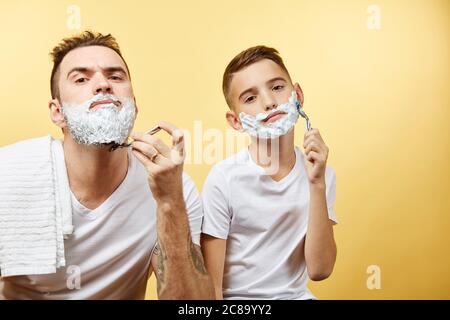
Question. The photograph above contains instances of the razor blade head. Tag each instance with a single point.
(303, 114)
(300, 110)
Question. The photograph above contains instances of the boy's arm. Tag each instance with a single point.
(320, 247)
(214, 253)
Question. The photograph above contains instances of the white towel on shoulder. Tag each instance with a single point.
(35, 207)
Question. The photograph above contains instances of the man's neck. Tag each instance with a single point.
(94, 172)
(276, 156)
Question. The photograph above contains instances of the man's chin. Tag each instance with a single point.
(98, 146)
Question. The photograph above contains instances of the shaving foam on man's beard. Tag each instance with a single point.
(104, 124)
(255, 126)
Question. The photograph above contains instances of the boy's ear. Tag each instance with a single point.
(299, 92)
(233, 120)
(56, 114)
(136, 106)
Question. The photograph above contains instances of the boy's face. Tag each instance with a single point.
(260, 87)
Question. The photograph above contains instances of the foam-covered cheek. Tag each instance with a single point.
(104, 125)
(253, 124)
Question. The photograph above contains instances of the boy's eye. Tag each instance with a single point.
(81, 80)
(278, 87)
(249, 99)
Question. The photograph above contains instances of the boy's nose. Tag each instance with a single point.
(268, 100)
(271, 106)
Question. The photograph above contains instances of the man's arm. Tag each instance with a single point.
(158, 272)
(180, 269)
(320, 247)
(214, 252)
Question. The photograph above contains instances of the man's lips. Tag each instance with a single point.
(274, 116)
(107, 101)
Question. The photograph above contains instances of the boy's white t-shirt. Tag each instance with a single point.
(264, 223)
(108, 255)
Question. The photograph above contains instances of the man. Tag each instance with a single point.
(268, 210)
(125, 201)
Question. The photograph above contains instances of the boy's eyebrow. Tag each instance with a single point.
(276, 79)
(108, 69)
(269, 81)
(245, 92)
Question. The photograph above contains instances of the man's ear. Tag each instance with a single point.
(299, 92)
(233, 120)
(56, 114)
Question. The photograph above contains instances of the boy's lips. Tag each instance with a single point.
(274, 116)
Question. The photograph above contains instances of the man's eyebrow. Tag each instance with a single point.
(107, 69)
(77, 69)
(115, 69)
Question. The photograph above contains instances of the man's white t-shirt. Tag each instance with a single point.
(108, 255)
(264, 223)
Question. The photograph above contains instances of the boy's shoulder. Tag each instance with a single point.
(240, 164)
(232, 162)
(329, 172)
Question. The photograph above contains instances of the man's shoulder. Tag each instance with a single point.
(28, 145)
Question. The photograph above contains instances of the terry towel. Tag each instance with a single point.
(35, 207)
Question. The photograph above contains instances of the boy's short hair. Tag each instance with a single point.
(84, 39)
(246, 58)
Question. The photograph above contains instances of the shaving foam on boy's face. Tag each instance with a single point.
(103, 119)
(257, 126)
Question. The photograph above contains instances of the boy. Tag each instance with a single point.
(268, 210)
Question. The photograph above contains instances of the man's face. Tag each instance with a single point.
(87, 71)
(260, 87)
(96, 101)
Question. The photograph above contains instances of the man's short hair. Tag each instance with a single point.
(246, 58)
(84, 39)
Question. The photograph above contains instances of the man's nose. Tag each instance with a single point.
(102, 86)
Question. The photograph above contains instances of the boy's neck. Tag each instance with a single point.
(276, 156)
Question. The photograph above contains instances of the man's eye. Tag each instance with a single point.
(81, 80)
(116, 78)
(249, 99)
(279, 87)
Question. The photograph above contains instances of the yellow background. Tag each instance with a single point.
(379, 97)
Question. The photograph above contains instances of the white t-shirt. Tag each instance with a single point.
(264, 222)
(110, 249)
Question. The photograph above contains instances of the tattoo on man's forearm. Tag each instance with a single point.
(197, 258)
(159, 251)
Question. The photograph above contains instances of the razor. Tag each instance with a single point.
(303, 114)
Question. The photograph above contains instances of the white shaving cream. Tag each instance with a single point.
(255, 127)
(105, 124)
